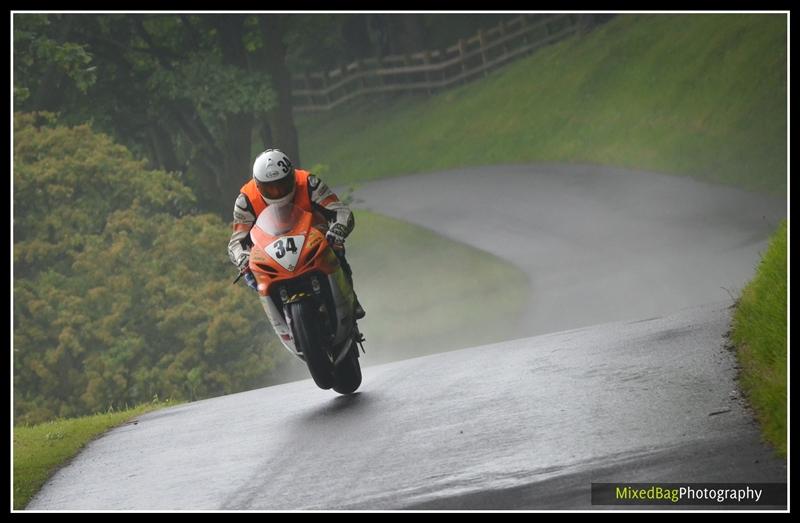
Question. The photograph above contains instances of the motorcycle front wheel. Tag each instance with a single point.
(309, 339)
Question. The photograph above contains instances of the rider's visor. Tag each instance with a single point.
(276, 189)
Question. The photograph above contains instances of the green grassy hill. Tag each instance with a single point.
(759, 332)
(698, 95)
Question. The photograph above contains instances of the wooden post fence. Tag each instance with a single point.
(432, 71)
(482, 42)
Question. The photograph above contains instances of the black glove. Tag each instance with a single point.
(336, 235)
(250, 280)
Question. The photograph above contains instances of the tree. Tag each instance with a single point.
(280, 129)
(186, 91)
(121, 293)
(200, 95)
(48, 61)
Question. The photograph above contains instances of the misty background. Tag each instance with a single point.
(133, 134)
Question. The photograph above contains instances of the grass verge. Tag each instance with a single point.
(40, 450)
(759, 333)
(425, 293)
(700, 95)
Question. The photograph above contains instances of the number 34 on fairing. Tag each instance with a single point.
(286, 250)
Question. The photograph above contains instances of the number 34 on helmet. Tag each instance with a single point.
(273, 173)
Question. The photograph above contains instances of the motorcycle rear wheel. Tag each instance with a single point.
(348, 373)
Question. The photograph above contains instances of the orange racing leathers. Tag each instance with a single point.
(311, 194)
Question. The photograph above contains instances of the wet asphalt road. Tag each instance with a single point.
(522, 424)
(598, 244)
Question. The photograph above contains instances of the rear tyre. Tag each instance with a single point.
(348, 373)
(308, 338)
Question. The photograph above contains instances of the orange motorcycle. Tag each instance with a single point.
(307, 295)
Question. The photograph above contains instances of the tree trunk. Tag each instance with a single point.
(204, 187)
(281, 119)
(378, 29)
(238, 164)
(163, 148)
(265, 132)
(236, 142)
(405, 33)
(413, 32)
(355, 35)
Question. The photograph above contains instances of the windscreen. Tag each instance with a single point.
(278, 219)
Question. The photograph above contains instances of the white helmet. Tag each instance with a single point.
(274, 176)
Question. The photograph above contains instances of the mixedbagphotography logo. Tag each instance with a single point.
(760, 494)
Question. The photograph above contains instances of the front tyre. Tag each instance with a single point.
(348, 373)
(307, 336)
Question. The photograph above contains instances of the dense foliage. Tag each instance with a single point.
(121, 292)
(187, 92)
(200, 94)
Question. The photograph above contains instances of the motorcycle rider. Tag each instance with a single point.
(275, 181)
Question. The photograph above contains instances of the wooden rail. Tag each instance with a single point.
(431, 70)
